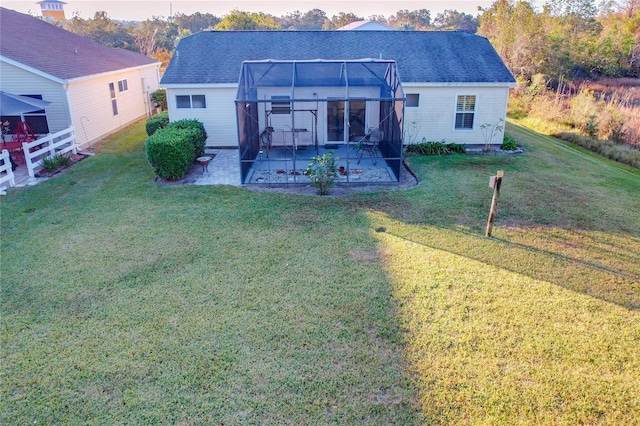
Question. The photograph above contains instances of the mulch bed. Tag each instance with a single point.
(74, 159)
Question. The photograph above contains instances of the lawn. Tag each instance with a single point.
(126, 302)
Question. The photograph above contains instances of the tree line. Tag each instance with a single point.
(568, 38)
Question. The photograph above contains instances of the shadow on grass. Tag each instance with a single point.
(564, 216)
(616, 281)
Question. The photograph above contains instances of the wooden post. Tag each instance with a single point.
(494, 183)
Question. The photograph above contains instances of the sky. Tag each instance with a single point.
(140, 10)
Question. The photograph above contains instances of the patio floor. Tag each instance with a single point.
(286, 166)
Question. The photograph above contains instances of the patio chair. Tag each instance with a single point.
(369, 143)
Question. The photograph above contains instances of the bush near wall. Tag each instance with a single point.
(170, 151)
(435, 148)
(158, 121)
(160, 98)
(197, 134)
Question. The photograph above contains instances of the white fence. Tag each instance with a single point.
(57, 143)
(6, 171)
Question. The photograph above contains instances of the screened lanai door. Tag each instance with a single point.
(336, 123)
(329, 102)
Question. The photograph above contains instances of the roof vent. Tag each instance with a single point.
(75, 50)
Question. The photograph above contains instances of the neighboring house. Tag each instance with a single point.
(52, 10)
(366, 26)
(452, 83)
(96, 89)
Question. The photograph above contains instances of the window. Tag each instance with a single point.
(114, 103)
(37, 120)
(122, 85)
(280, 105)
(465, 111)
(183, 101)
(413, 100)
(191, 101)
(197, 101)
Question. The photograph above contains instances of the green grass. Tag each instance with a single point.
(126, 302)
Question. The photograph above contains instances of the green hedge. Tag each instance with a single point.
(197, 134)
(170, 151)
(158, 121)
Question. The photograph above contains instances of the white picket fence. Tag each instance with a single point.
(48, 146)
(6, 172)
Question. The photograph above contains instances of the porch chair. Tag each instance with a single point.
(369, 143)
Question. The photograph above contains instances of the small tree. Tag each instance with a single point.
(323, 171)
(489, 133)
(411, 132)
(160, 98)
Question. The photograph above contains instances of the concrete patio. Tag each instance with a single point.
(287, 166)
(224, 169)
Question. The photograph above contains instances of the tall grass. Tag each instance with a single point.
(601, 117)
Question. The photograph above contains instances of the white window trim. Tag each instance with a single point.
(455, 111)
(114, 99)
(413, 106)
(121, 83)
(190, 96)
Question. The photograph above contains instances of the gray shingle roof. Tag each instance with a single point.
(421, 56)
(57, 52)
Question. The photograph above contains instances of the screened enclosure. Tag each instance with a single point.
(291, 111)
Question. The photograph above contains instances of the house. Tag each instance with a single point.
(366, 26)
(96, 89)
(335, 86)
(52, 10)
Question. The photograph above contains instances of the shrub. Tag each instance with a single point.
(457, 148)
(591, 128)
(584, 111)
(196, 131)
(428, 148)
(158, 121)
(170, 153)
(160, 98)
(508, 144)
(613, 125)
(632, 129)
(323, 171)
(609, 149)
(489, 132)
(53, 163)
(435, 148)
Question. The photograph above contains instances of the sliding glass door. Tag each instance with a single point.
(336, 122)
